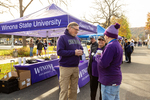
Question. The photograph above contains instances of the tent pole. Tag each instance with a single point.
(86, 42)
(12, 39)
(47, 43)
(54, 42)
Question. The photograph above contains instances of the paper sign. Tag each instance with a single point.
(5, 76)
(28, 79)
(78, 89)
(24, 82)
(9, 74)
(28, 84)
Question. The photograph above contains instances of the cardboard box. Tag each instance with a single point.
(24, 83)
(23, 74)
(24, 78)
(10, 75)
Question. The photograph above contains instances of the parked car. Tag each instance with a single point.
(50, 42)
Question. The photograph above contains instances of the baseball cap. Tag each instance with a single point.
(101, 38)
(91, 37)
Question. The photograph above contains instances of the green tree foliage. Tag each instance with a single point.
(124, 29)
(148, 22)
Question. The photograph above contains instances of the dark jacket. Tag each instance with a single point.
(125, 46)
(93, 49)
(37, 41)
(40, 46)
(128, 49)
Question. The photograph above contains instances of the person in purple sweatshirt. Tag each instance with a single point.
(69, 49)
(94, 70)
(110, 75)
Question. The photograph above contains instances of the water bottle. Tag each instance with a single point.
(83, 57)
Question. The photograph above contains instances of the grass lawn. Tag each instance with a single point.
(5, 68)
(5, 52)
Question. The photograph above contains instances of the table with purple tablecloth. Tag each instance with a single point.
(83, 74)
(41, 70)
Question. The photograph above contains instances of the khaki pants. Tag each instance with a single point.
(68, 81)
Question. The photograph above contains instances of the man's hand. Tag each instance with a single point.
(78, 52)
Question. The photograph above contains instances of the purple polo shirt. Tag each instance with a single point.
(109, 64)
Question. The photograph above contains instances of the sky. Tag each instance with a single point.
(135, 10)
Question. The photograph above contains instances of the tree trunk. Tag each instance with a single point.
(21, 15)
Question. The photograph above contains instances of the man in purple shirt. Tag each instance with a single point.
(69, 49)
(109, 62)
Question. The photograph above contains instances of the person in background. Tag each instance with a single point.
(40, 45)
(109, 62)
(94, 77)
(16, 42)
(120, 41)
(93, 49)
(135, 43)
(41, 40)
(31, 45)
(132, 45)
(69, 49)
(36, 42)
(45, 46)
(129, 51)
(125, 45)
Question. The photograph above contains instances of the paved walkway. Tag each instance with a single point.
(135, 84)
(7, 47)
(136, 76)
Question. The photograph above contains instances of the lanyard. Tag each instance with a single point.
(112, 40)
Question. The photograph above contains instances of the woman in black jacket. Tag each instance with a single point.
(40, 45)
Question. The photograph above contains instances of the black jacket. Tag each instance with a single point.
(93, 49)
(128, 49)
(40, 46)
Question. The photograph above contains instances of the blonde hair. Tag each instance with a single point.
(72, 24)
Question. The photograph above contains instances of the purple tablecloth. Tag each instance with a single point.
(83, 74)
(41, 70)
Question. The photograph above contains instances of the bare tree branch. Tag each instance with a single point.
(11, 13)
(105, 10)
(41, 2)
(27, 6)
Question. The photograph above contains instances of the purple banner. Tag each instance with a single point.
(83, 74)
(84, 25)
(37, 24)
(40, 71)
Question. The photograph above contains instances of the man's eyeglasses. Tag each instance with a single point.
(75, 29)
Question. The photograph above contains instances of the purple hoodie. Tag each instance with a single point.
(109, 64)
(66, 47)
